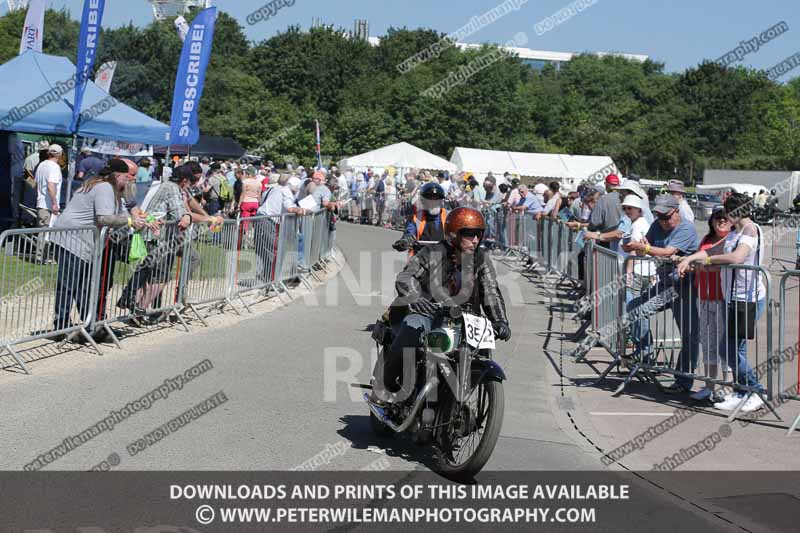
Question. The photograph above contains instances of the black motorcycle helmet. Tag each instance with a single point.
(432, 191)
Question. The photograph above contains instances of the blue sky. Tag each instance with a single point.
(680, 33)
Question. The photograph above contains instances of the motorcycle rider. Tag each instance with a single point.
(772, 201)
(796, 203)
(426, 224)
(455, 271)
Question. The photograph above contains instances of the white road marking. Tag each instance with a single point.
(612, 413)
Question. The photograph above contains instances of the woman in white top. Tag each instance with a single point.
(744, 245)
(553, 205)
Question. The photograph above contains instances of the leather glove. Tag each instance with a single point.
(425, 306)
(401, 246)
(502, 331)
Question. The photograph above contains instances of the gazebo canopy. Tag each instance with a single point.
(400, 155)
(34, 98)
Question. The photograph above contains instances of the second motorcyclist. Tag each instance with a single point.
(426, 223)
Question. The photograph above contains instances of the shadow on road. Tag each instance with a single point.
(358, 431)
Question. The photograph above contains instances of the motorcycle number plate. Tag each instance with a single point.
(480, 333)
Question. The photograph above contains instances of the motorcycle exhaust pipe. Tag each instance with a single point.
(381, 414)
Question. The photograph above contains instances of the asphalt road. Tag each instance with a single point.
(284, 404)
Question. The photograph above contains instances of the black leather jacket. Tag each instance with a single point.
(427, 274)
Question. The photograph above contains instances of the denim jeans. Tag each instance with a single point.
(736, 354)
(213, 206)
(301, 256)
(73, 284)
(501, 229)
(684, 312)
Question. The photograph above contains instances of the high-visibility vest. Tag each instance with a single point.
(421, 226)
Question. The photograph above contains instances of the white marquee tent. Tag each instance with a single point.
(402, 156)
(570, 169)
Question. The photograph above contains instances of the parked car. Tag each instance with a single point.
(704, 205)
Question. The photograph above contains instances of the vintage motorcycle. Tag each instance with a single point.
(457, 401)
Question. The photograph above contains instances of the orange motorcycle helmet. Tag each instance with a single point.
(460, 219)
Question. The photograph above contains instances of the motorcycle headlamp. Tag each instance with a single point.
(441, 340)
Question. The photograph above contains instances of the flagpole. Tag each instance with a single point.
(166, 162)
(319, 148)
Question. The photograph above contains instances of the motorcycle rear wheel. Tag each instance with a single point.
(485, 427)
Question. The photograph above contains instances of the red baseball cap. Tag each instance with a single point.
(612, 179)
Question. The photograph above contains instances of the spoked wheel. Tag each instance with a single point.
(470, 431)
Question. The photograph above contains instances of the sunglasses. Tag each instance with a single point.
(471, 233)
(665, 216)
(628, 207)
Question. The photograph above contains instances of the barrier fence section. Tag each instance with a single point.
(132, 286)
(260, 253)
(725, 312)
(288, 252)
(208, 261)
(787, 356)
(605, 296)
(59, 283)
(532, 238)
(43, 272)
(656, 322)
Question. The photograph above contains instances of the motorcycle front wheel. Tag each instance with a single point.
(469, 432)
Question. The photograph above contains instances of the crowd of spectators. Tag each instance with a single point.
(668, 257)
(663, 245)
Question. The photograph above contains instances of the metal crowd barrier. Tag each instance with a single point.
(605, 294)
(288, 252)
(516, 231)
(59, 283)
(532, 239)
(266, 255)
(43, 272)
(668, 319)
(654, 322)
(209, 261)
(788, 353)
(148, 286)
